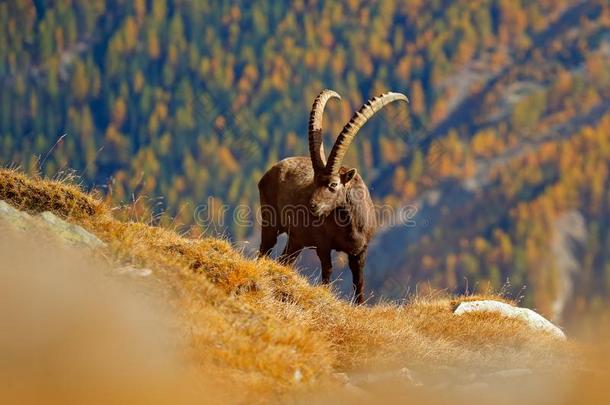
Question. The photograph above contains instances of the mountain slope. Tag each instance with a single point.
(262, 327)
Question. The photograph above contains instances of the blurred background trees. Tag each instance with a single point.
(161, 104)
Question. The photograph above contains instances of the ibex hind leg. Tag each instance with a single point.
(269, 231)
(356, 265)
(268, 240)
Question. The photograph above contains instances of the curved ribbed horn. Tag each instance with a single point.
(316, 146)
(350, 129)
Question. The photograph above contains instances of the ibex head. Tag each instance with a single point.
(331, 181)
(330, 191)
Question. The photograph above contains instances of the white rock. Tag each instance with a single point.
(69, 232)
(49, 222)
(533, 319)
(14, 217)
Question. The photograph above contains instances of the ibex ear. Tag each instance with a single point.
(348, 176)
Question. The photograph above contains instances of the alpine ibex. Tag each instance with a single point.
(322, 205)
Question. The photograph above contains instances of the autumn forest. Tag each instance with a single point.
(504, 150)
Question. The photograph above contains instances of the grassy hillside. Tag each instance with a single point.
(263, 328)
(169, 105)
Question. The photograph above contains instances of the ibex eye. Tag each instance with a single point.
(333, 185)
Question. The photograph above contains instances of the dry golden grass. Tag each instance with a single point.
(261, 327)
